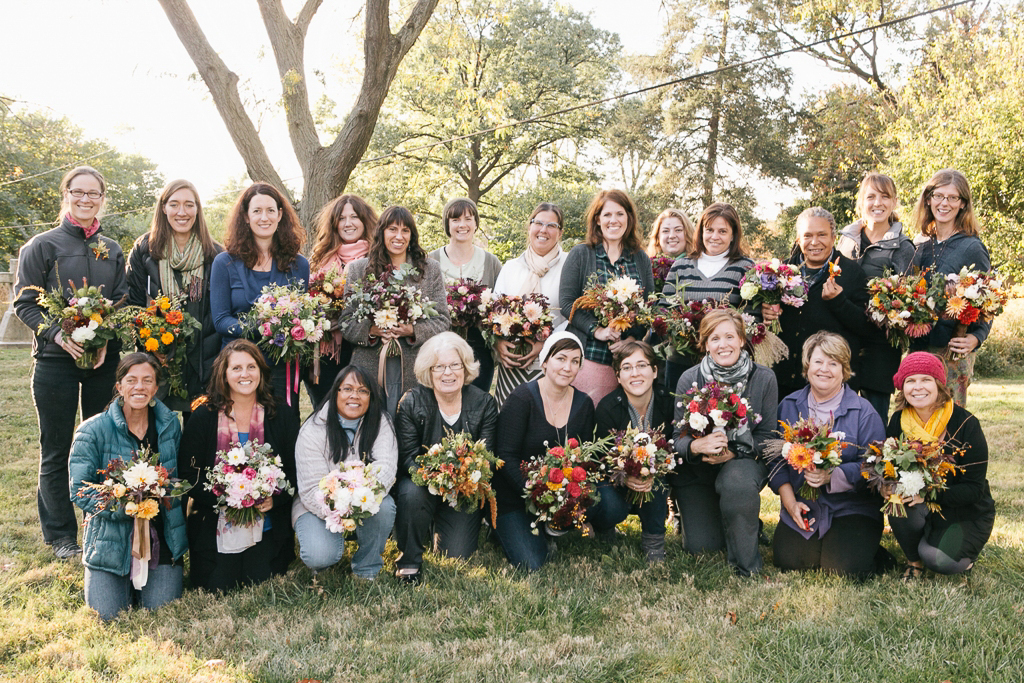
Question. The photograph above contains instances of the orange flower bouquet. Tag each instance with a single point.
(162, 329)
(905, 467)
(807, 446)
(972, 296)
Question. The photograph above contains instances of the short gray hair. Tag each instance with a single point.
(819, 212)
(431, 349)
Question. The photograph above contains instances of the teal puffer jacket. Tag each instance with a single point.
(98, 440)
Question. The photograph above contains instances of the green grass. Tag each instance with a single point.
(593, 614)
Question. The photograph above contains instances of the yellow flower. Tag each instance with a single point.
(131, 509)
(167, 338)
(120, 490)
(890, 471)
(164, 303)
(96, 318)
(348, 524)
(552, 486)
(152, 344)
(144, 332)
(148, 509)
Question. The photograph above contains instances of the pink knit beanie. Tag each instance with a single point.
(920, 363)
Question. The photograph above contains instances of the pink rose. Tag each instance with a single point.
(266, 330)
(298, 333)
(249, 473)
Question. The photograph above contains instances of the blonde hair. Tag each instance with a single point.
(833, 346)
(653, 241)
(715, 318)
(431, 349)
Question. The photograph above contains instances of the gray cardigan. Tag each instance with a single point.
(580, 263)
(367, 351)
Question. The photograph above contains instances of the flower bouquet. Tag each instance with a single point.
(562, 484)
(678, 321)
(329, 288)
(159, 327)
(768, 348)
(660, 265)
(905, 306)
(618, 304)
(139, 487)
(290, 324)
(715, 406)
(389, 301)
(638, 460)
(773, 282)
(87, 318)
(904, 467)
(972, 296)
(468, 301)
(460, 471)
(243, 478)
(807, 446)
(520, 320)
(348, 495)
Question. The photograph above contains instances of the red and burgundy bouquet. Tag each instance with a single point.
(905, 306)
(562, 484)
(639, 461)
(678, 322)
(715, 406)
(774, 283)
(468, 302)
(660, 265)
(520, 320)
(972, 296)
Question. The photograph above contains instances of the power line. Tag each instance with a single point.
(54, 170)
(51, 223)
(676, 81)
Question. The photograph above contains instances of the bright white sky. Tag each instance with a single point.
(116, 69)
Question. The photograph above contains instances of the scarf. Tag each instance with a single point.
(641, 422)
(90, 231)
(736, 375)
(538, 266)
(818, 275)
(347, 253)
(227, 430)
(928, 432)
(188, 262)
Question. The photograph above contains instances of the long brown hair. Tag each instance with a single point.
(728, 213)
(327, 238)
(631, 239)
(160, 230)
(880, 183)
(380, 257)
(287, 239)
(965, 222)
(218, 393)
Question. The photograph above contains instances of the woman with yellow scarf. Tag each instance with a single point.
(948, 541)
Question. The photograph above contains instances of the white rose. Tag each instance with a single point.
(749, 289)
(475, 477)
(716, 415)
(697, 422)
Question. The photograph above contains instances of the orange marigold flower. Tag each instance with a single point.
(96, 318)
(164, 303)
(800, 457)
(144, 332)
(167, 338)
(174, 317)
(152, 344)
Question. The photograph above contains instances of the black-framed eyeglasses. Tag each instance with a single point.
(91, 194)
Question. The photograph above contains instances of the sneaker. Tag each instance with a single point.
(409, 576)
(66, 548)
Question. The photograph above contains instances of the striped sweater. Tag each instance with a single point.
(725, 284)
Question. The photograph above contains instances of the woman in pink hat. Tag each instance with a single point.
(948, 542)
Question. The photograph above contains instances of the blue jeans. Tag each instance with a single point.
(320, 548)
(109, 593)
(614, 507)
(522, 547)
(425, 519)
(57, 386)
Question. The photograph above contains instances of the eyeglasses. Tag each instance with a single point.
(948, 198)
(440, 369)
(91, 194)
(361, 392)
(549, 226)
(639, 367)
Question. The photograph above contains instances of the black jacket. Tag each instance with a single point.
(846, 315)
(419, 425)
(144, 286)
(613, 412)
(49, 260)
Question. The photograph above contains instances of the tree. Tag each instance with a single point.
(325, 169)
(961, 109)
(483, 63)
(36, 150)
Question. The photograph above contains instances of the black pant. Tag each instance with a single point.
(425, 520)
(943, 546)
(57, 387)
(485, 356)
(217, 571)
(848, 548)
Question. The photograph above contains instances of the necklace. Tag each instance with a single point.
(559, 407)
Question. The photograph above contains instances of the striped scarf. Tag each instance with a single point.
(189, 263)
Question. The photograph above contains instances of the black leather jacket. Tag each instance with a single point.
(419, 425)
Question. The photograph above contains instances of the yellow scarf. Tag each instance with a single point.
(920, 431)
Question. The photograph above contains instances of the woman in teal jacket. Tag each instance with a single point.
(133, 420)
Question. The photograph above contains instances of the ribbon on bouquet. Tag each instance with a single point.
(391, 348)
(291, 381)
(141, 553)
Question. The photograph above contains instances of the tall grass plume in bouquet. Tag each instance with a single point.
(391, 300)
(903, 467)
(163, 328)
(715, 406)
(774, 283)
(972, 296)
(459, 470)
(468, 303)
(905, 306)
(618, 304)
(243, 478)
(808, 445)
(139, 487)
(639, 461)
(562, 484)
(87, 318)
(768, 348)
(350, 494)
(519, 320)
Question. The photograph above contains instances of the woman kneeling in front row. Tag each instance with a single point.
(350, 426)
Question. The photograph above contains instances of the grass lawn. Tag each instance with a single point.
(594, 614)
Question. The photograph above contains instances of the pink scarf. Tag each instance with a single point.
(227, 430)
(91, 230)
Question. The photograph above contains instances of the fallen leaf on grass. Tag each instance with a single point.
(730, 618)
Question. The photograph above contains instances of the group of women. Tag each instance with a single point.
(584, 380)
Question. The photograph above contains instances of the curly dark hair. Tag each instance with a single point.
(380, 258)
(287, 239)
(218, 393)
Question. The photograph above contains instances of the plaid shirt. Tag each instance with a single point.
(596, 350)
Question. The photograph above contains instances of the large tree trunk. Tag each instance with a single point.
(715, 120)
